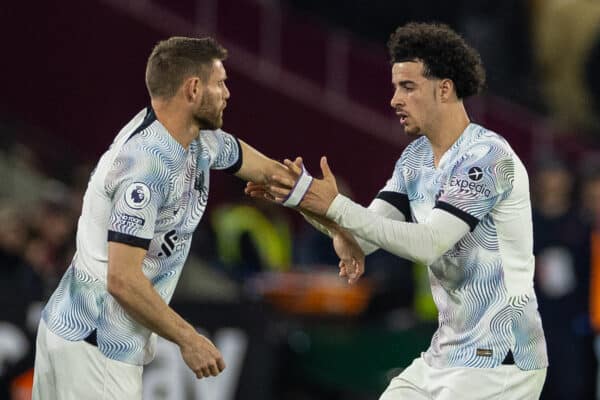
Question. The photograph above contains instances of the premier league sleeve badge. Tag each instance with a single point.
(137, 195)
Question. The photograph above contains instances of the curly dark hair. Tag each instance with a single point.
(444, 53)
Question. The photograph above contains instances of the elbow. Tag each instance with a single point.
(366, 246)
(369, 250)
(116, 285)
(427, 259)
(434, 252)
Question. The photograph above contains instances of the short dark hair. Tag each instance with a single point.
(443, 52)
(178, 58)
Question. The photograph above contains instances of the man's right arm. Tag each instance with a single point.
(134, 292)
(378, 206)
(137, 184)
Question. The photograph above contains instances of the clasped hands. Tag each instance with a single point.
(314, 205)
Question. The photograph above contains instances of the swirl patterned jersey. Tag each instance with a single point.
(146, 191)
(483, 286)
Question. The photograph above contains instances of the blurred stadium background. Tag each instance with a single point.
(307, 78)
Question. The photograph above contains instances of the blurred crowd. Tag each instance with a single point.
(38, 216)
(565, 216)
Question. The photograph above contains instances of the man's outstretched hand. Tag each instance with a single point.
(260, 190)
(315, 204)
(317, 199)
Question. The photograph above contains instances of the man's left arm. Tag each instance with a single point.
(422, 242)
(258, 168)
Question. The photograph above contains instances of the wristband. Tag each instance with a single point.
(299, 190)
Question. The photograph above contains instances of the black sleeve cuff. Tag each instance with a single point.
(238, 164)
(128, 239)
(398, 200)
(468, 218)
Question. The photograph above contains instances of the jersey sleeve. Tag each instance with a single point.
(480, 179)
(395, 193)
(137, 186)
(226, 151)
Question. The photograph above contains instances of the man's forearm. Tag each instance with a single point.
(377, 206)
(330, 228)
(418, 242)
(258, 168)
(141, 301)
(126, 282)
(322, 224)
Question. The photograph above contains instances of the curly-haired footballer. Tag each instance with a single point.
(457, 202)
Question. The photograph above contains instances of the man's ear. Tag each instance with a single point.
(193, 89)
(446, 90)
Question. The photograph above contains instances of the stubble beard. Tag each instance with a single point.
(207, 122)
(208, 116)
(413, 132)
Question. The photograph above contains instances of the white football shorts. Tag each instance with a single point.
(68, 370)
(506, 382)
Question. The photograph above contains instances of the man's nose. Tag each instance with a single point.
(396, 101)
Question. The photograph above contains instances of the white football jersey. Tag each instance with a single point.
(483, 286)
(146, 191)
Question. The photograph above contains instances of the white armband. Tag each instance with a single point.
(299, 190)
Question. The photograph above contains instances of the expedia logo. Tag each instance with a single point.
(471, 187)
(475, 174)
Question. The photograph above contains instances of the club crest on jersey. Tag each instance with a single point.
(137, 195)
